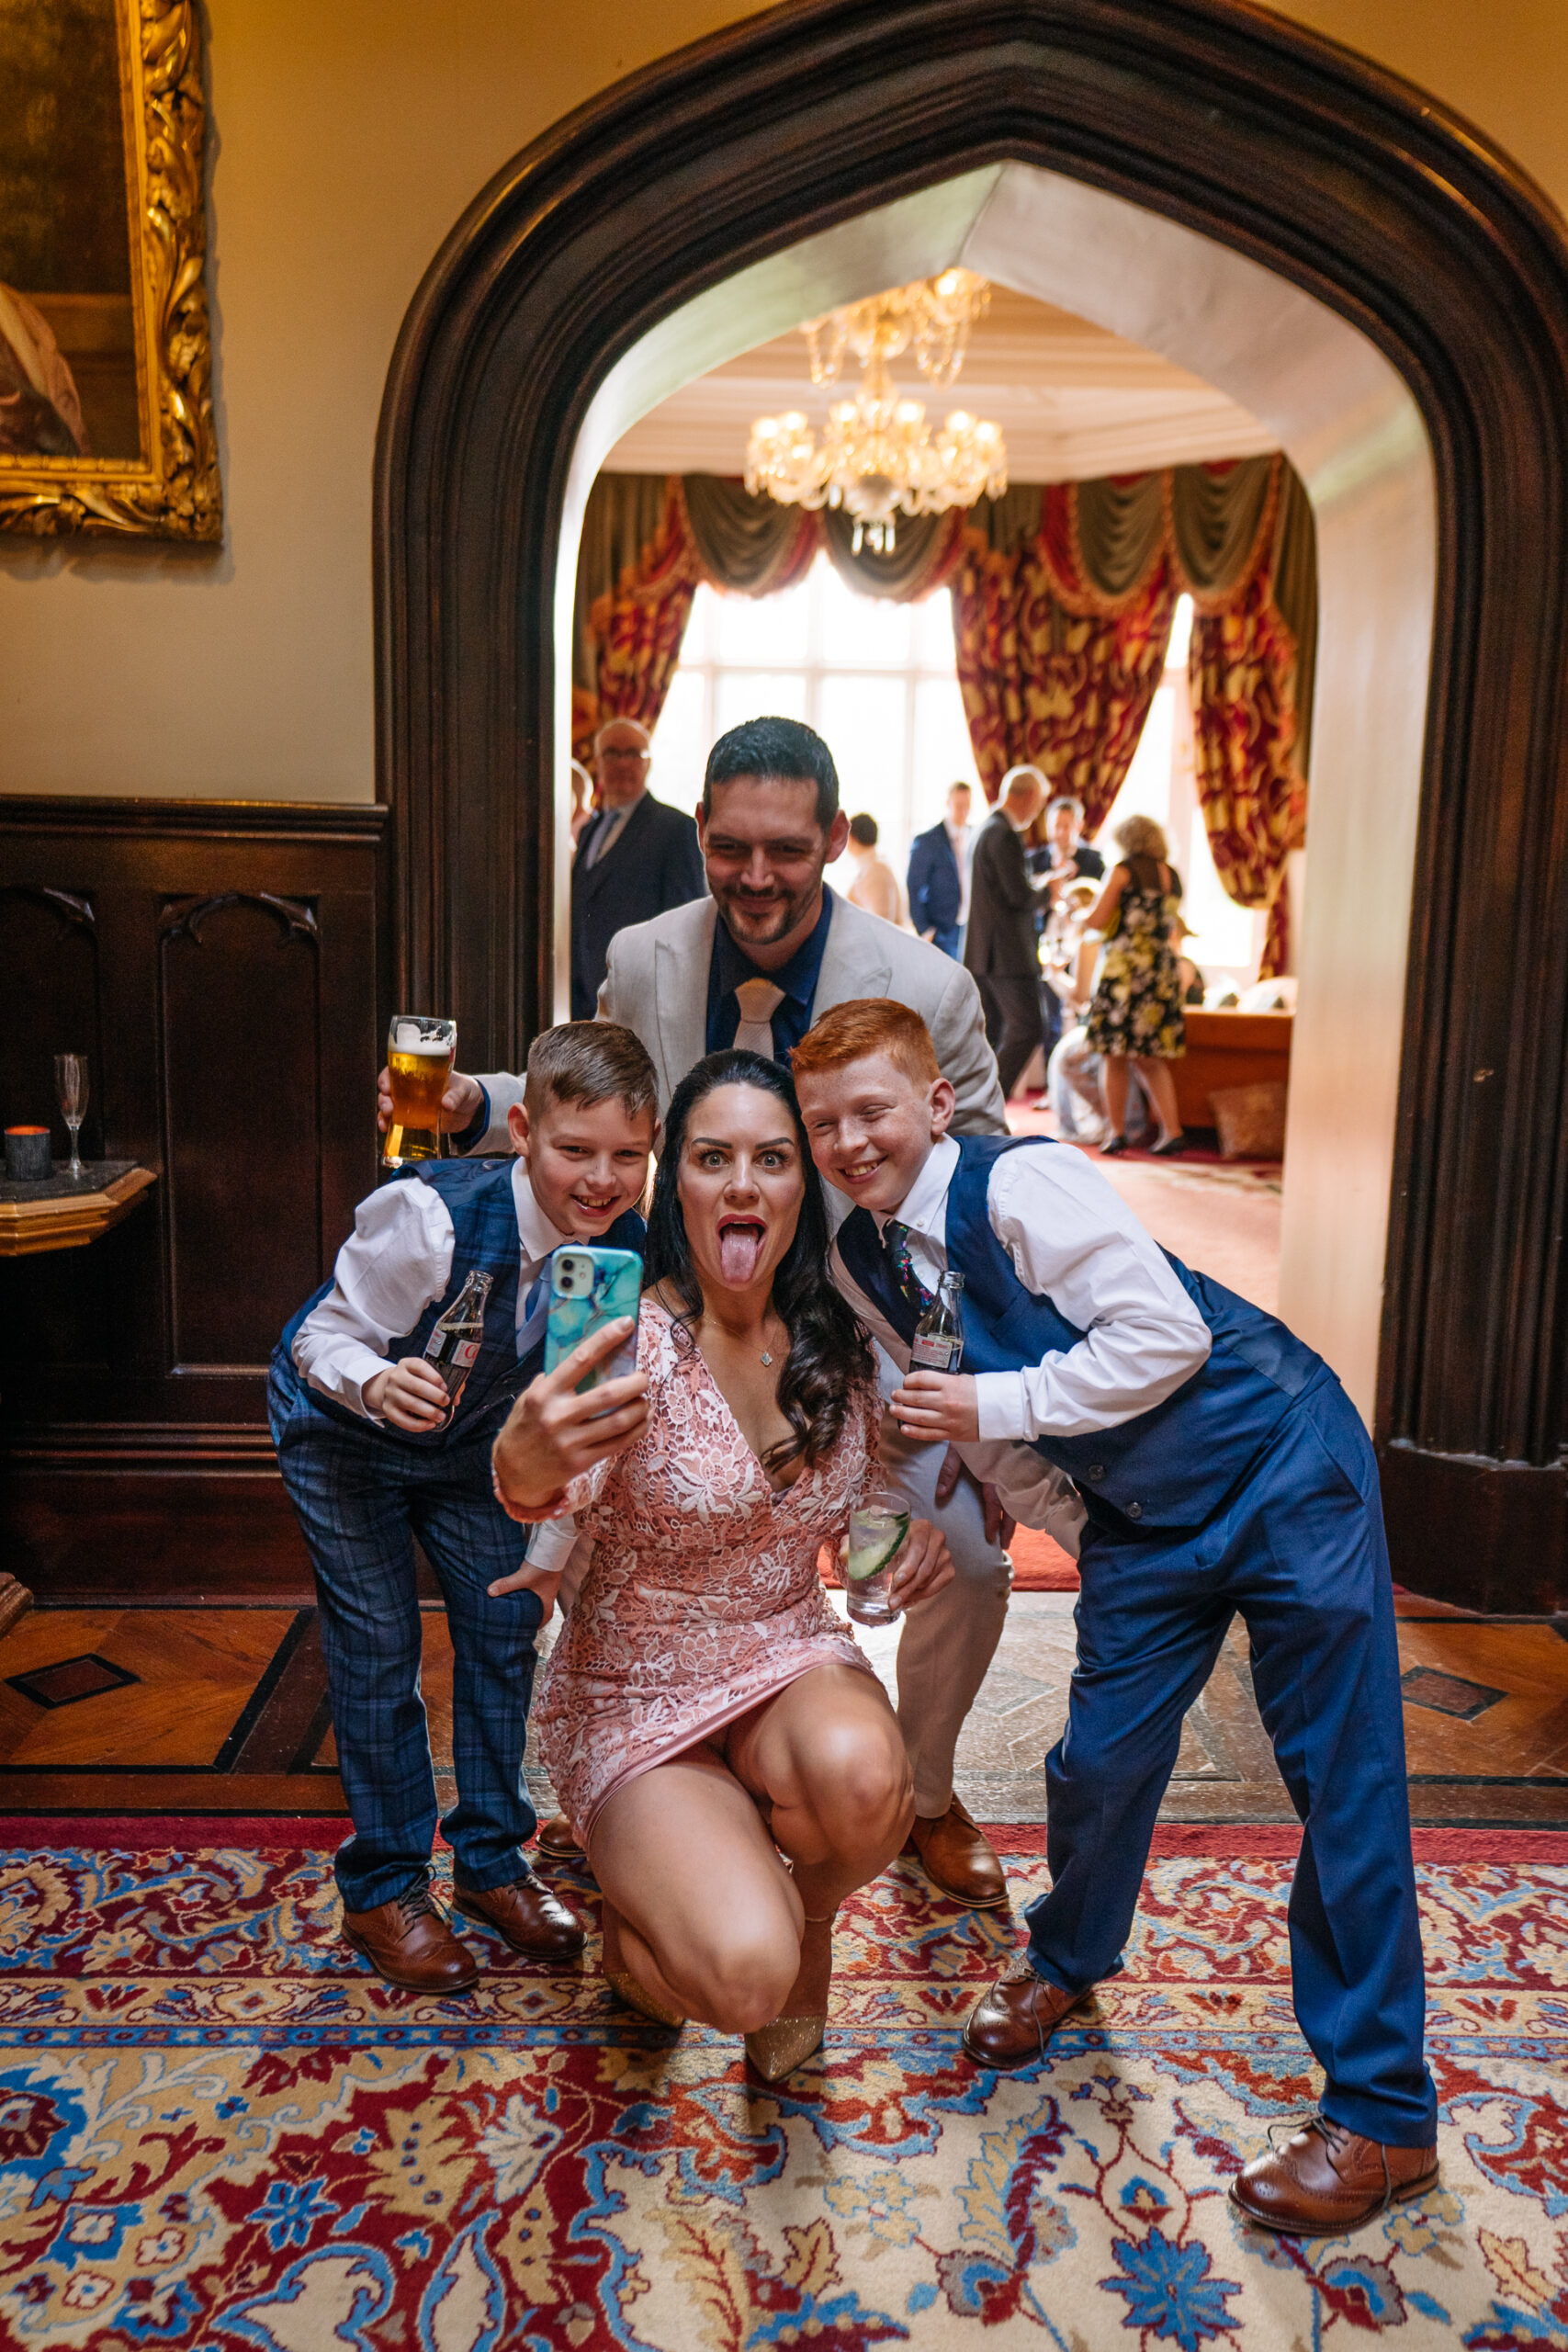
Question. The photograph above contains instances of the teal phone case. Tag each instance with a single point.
(617, 1287)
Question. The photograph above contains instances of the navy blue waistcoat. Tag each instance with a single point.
(1168, 1467)
(483, 1209)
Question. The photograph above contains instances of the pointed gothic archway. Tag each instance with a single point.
(1272, 145)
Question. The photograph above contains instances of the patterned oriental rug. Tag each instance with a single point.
(217, 2130)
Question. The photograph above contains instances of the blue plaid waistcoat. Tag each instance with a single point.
(483, 1209)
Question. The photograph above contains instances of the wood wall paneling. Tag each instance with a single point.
(229, 967)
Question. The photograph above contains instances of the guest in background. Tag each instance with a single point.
(1137, 1013)
(876, 885)
(634, 859)
(939, 875)
(1002, 947)
(1068, 855)
(1064, 858)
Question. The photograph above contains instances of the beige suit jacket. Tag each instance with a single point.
(658, 985)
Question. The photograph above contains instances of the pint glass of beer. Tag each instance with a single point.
(419, 1055)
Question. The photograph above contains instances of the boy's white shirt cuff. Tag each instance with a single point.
(345, 1373)
(1001, 1404)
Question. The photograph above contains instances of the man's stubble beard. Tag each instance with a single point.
(792, 912)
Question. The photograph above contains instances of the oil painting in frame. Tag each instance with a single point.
(106, 402)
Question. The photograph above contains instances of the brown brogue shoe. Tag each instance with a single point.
(1325, 2181)
(1012, 2023)
(409, 1943)
(526, 1915)
(959, 1859)
(557, 1839)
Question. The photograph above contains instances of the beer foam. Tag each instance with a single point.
(409, 1041)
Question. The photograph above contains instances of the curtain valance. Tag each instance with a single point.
(1062, 604)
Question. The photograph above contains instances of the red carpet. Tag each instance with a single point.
(217, 2128)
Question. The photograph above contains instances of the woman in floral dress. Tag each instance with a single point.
(1137, 1013)
(718, 1742)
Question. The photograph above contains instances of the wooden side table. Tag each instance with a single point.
(57, 1213)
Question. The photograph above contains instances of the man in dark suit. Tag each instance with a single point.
(1066, 859)
(634, 859)
(939, 875)
(1002, 947)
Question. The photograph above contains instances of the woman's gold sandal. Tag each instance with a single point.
(776, 2049)
(622, 1982)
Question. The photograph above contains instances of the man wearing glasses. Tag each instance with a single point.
(634, 859)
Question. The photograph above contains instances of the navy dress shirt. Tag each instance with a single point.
(729, 965)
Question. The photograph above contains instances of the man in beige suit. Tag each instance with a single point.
(753, 965)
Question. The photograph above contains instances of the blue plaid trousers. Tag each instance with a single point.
(361, 1503)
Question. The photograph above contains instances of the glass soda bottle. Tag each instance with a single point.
(937, 1343)
(453, 1346)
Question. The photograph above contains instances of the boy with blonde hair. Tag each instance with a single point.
(1223, 1470)
(374, 1455)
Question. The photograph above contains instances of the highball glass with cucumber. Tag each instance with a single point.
(879, 1528)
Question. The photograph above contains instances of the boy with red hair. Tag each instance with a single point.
(1223, 1470)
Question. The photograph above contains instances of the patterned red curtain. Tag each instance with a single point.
(1053, 670)
(1244, 669)
(1061, 611)
(635, 629)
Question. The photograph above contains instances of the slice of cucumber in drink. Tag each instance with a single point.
(882, 1559)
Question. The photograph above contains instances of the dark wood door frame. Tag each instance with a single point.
(1282, 146)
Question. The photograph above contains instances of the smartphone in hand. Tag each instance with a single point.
(591, 1287)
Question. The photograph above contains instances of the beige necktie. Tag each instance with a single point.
(759, 1000)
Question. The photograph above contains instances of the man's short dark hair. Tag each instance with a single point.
(862, 832)
(780, 748)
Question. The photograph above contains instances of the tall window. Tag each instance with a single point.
(877, 680)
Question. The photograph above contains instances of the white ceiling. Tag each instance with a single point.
(1073, 400)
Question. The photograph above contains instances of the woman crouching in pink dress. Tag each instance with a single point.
(721, 1746)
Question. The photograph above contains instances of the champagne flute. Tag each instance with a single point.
(70, 1092)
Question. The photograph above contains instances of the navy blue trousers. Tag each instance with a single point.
(1299, 1551)
(361, 1502)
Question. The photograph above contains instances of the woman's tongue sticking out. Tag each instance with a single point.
(739, 1249)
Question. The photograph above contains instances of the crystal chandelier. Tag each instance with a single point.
(877, 456)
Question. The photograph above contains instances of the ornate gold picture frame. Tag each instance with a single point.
(106, 394)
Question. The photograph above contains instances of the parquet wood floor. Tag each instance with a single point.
(228, 1714)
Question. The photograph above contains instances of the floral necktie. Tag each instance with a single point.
(895, 1244)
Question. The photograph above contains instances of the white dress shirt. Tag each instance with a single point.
(395, 1263)
(961, 838)
(1071, 1238)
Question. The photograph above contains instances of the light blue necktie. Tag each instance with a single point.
(535, 1312)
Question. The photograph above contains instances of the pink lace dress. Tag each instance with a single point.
(703, 1595)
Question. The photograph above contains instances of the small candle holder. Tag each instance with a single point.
(27, 1156)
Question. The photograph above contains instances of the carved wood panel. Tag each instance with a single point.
(233, 960)
(240, 1012)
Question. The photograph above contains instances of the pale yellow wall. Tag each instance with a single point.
(347, 140)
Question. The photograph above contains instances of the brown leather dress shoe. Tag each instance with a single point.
(1012, 2023)
(526, 1915)
(1325, 2179)
(959, 1860)
(409, 1944)
(556, 1838)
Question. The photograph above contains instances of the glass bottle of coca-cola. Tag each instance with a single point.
(937, 1343)
(453, 1346)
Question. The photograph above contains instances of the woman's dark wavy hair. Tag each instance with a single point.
(828, 1361)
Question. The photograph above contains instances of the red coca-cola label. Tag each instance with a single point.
(464, 1354)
